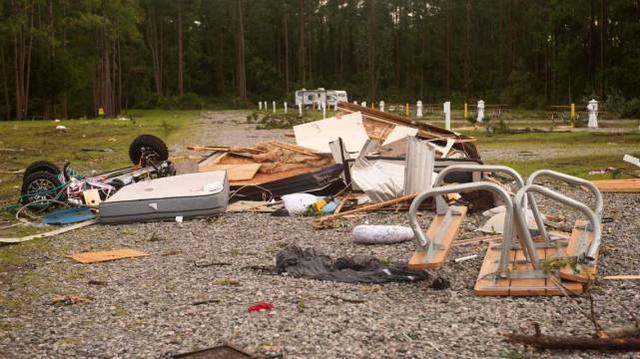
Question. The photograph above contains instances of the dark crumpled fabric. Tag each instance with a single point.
(308, 263)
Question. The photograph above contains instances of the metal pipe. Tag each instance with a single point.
(595, 221)
(422, 241)
(479, 168)
(599, 205)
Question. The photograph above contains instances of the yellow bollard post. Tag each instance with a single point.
(373, 107)
(466, 110)
(406, 109)
(573, 115)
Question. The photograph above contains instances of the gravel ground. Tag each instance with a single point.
(144, 307)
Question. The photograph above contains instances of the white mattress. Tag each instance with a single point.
(187, 185)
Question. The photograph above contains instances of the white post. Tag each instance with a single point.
(447, 115)
(266, 106)
(324, 110)
(419, 109)
(381, 105)
(364, 104)
(274, 107)
(355, 102)
(300, 108)
(592, 107)
(260, 105)
(480, 117)
(285, 107)
(335, 106)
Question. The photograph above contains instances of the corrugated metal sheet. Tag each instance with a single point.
(420, 160)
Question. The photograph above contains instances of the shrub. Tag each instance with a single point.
(631, 109)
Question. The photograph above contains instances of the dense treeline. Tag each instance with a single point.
(67, 58)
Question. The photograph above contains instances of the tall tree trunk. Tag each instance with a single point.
(604, 21)
(65, 107)
(22, 48)
(448, 37)
(180, 51)
(5, 85)
(301, 50)
(241, 79)
(371, 52)
(286, 52)
(467, 51)
(155, 47)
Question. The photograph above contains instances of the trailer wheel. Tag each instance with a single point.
(148, 145)
(38, 166)
(41, 186)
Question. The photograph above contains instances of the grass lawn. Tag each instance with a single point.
(22, 142)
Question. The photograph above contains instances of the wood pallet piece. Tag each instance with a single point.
(570, 286)
(235, 172)
(262, 178)
(215, 158)
(295, 148)
(518, 287)
(418, 259)
(585, 273)
(490, 264)
(631, 185)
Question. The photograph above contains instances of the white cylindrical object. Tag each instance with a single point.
(480, 117)
(465, 258)
(300, 109)
(419, 109)
(364, 104)
(260, 105)
(381, 105)
(335, 106)
(592, 108)
(324, 110)
(447, 115)
(355, 102)
(274, 106)
(285, 107)
(381, 234)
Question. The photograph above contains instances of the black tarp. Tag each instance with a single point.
(308, 263)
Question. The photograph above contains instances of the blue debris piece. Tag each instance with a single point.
(68, 216)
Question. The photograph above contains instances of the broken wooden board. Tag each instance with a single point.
(419, 260)
(582, 273)
(294, 148)
(262, 178)
(486, 285)
(631, 185)
(105, 256)
(235, 172)
(622, 277)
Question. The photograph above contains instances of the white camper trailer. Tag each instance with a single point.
(314, 97)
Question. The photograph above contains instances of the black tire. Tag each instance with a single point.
(148, 144)
(40, 186)
(38, 166)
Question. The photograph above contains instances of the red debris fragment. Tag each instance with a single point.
(260, 306)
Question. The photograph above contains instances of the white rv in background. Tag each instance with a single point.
(320, 95)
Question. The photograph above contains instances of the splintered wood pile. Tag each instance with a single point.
(265, 162)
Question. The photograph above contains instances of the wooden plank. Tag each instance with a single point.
(262, 178)
(585, 273)
(215, 157)
(490, 264)
(622, 277)
(235, 172)
(295, 148)
(527, 287)
(631, 185)
(419, 259)
(104, 256)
